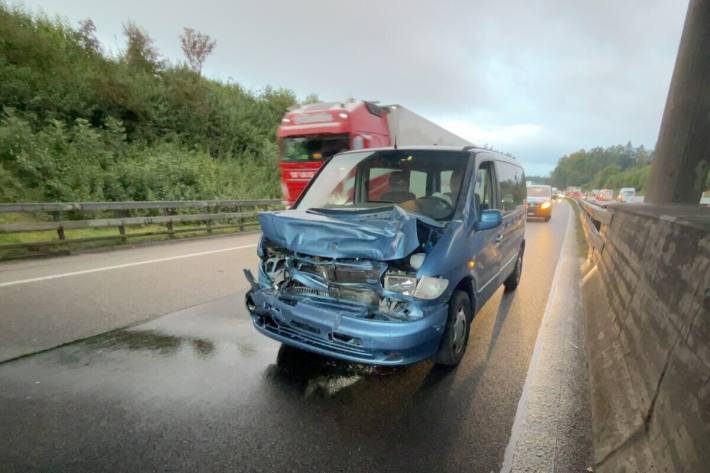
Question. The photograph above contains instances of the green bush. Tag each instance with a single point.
(79, 125)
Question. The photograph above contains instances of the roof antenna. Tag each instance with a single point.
(395, 141)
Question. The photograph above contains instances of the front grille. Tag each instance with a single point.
(359, 295)
(309, 291)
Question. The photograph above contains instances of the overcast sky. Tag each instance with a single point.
(538, 79)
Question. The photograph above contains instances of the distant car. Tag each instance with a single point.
(540, 202)
(626, 194)
(605, 194)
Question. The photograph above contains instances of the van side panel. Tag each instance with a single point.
(512, 202)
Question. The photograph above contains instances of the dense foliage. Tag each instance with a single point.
(78, 124)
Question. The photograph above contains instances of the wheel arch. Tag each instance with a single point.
(467, 285)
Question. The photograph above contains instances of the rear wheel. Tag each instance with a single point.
(514, 279)
(458, 325)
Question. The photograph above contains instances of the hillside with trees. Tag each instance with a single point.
(612, 168)
(80, 124)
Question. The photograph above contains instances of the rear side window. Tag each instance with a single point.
(511, 182)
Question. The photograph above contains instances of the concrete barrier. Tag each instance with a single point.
(647, 304)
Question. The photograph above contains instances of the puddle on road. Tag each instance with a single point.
(317, 375)
(132, 340)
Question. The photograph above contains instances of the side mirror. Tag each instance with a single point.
(489, 219)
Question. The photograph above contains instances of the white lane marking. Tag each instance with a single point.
(120, 266)
(521, 411)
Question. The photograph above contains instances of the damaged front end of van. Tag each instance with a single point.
(350, 284)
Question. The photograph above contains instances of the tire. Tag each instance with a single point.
(511, 283)
(458, 325)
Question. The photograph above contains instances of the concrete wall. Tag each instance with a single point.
(647, 304)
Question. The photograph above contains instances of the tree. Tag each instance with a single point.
(140, 51)
(196, 46)
(87, 35)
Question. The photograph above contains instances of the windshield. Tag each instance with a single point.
(313, 148)
(426, 182)
(539, 191)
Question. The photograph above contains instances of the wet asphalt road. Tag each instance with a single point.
(200, 390)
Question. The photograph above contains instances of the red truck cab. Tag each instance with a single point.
(311, 133)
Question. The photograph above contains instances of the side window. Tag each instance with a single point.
(483, 188)
(511, 182)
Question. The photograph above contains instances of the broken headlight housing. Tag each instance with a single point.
(427, 287)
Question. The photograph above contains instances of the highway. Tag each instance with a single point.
(144, 359)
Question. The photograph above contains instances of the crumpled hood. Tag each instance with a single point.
(386, 234)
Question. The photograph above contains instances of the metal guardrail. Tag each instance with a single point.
(593, 218)
(214, 214)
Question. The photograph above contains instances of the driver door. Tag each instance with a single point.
(485, 244)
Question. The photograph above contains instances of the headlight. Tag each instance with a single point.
(401, 283)
(430, 288)
(426, 288)
(545, 205)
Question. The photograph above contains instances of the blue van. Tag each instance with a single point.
(388, 254)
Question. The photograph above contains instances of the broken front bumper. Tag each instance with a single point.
(340, 331)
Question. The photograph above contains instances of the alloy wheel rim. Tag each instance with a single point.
(519, 268)
(459, 330)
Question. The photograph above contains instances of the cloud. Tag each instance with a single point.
(500, 137)
(541, 77)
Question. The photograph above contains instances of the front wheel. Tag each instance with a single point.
(458, 325)
(514, 279)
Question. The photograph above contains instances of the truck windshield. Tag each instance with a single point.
(539, 191)
(426, 182)
(313, 148)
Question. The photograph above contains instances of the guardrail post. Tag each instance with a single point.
(241, 219)
(60, 233)
(122, 227)
(209, 220)
(122, 231)
(169, 224)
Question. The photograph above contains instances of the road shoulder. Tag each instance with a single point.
(552, 427)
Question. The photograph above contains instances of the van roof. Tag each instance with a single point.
(474, 149)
